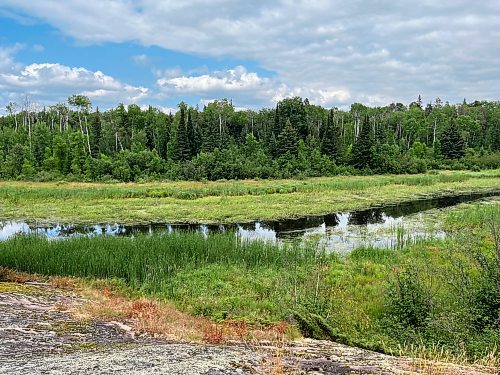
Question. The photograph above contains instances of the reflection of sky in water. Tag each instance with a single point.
(10, 228)
(258, 233)
(339, 232)
(341, 238)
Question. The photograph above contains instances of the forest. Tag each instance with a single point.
(75, 142)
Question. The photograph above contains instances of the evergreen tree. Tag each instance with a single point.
(452, 143)
(288, 140)
(191, 136)
(362, 152)
(210, 139)
(495, 133)
(95, 134)
(332, 143)
(182, 150)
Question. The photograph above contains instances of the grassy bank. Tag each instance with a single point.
(217, 276)
(437, 298)
(231, 201)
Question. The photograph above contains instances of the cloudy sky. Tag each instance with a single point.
(254, 52)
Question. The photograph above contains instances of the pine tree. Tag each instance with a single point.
(288, 140)
(452, 143)
(362, 151)
(277, 121)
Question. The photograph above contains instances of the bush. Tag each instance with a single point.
(408, 300)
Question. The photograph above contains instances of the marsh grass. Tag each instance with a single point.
(225, 201)
(360, 300)
(219, 275)
(194, 190)
(147, 258)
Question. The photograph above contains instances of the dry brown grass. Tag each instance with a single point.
(15, 277)
(162, 319)
(436, 361)
(63, 282)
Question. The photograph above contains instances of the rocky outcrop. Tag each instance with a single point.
(39, 335)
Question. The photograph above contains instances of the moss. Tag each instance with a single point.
(62, 327)
(9, 287)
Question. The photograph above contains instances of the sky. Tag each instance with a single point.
(161, 52)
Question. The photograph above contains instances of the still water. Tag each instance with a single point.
(386, 226)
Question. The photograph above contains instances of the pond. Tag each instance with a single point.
(385, 226)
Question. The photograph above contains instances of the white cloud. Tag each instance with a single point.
(247, 88)
(166, 110)
(236, 79)
(50, 82)
(336, 50)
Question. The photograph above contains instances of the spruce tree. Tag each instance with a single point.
(495, 134)
(362, 151)
(452, 143)
(191, 135)
(95, 134)
(331, 144)
(181, 148)
(288, 140)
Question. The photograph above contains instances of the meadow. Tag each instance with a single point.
(225, 201)
(438, 298)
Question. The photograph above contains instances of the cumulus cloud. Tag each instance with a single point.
(50, 81)
(237, 79)
(247, 88)
(335, 50)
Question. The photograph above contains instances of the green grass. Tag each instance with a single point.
(209, 276)
(371, 298)
(230, 201)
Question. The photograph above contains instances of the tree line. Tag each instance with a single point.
(295, 139)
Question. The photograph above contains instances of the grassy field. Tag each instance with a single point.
(435, 298)
(229, 201)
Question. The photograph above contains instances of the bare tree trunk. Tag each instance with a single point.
(220, 125)
(88, 136)
(434, 135)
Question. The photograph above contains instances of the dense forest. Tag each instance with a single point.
(72, 141)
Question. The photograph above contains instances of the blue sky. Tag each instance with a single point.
(333, 52)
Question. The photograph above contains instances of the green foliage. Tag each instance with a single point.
(362, 151)
(331, 144)
(288, 140)
(408, 299)
(438, 294)
(294, 140)
(452, 143)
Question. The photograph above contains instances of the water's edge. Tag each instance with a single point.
(381, 226)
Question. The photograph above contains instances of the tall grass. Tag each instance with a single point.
(192, 190)
(150, 260)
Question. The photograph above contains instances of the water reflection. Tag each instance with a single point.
(343, 231)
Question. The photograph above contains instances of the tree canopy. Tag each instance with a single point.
(127, 143)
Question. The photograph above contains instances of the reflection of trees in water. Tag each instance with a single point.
(249, 226)
(285, 229)
(331, 220)
(366, 217)
(419, 205)
(409, 208)
(294, 224)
